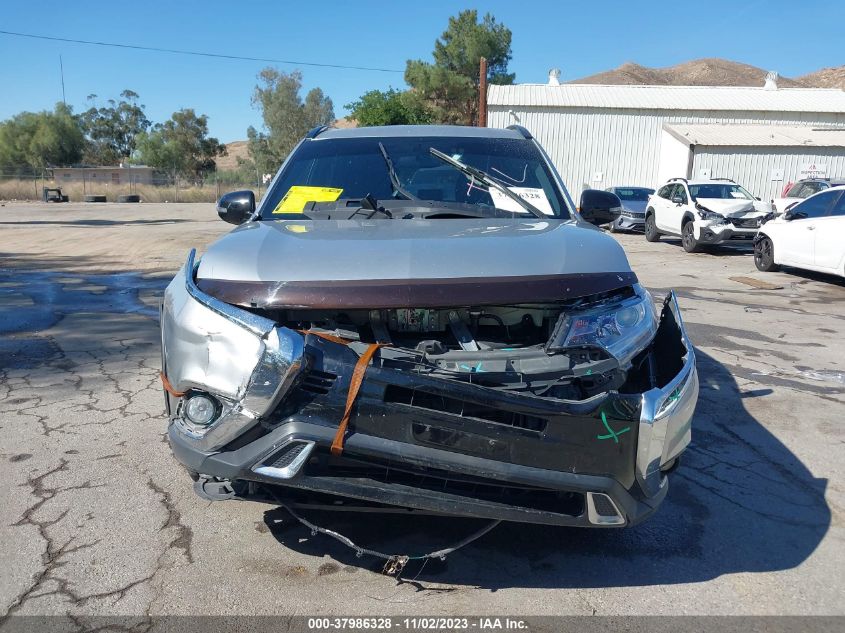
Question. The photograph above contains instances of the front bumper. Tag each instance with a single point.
(713, 233)
(597, 462)
(630, 223)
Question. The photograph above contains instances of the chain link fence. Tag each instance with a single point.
(113, 184)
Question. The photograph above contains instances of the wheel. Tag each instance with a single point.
(764, 255)
(651, 234)
(691, 244)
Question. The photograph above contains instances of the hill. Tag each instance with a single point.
(711, 71)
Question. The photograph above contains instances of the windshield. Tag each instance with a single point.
(633, 194)
(716, 191)
(348, 169)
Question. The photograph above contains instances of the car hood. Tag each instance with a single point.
(411, 263)
(735, 208)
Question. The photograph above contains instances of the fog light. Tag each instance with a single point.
(200, 409)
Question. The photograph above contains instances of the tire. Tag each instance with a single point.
(688, 240)
(129, 198)
(95, 198)
(650, 229)
(764, 255)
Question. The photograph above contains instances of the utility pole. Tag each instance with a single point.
(482, 92)
(62, 72)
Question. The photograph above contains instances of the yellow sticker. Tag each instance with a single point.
(297, 197)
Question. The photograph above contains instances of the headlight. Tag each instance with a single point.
(622, 329)
(704, 214)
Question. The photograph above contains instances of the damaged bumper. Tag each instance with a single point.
(420, 442)
(715, 233)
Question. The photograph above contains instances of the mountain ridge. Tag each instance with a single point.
(711, 71)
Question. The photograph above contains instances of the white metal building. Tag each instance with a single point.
(600, 136)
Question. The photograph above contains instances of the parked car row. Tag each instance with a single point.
(805, 228)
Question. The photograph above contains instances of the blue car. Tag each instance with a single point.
(634, 200)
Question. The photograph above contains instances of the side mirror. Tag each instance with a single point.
(600, 207)
(678, 200)
(235, 207)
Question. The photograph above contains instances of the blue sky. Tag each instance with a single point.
(580, 37)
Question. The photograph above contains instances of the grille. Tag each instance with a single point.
(604, 506)
(287, 455)
(434, 402)
(632, 214)
(318, 382)
(395, 473)
(745, 223)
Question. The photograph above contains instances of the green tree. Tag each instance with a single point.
(391, 107)
(32, 141)
(180, 147)
(450, 85)
(286, 117)
(111, 130)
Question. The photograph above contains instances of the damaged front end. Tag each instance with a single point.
(558, 412)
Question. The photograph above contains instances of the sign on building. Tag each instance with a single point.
(813, 170)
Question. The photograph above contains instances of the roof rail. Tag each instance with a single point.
(314, 132)
(678, 178)
(728, 179)
(518, 128)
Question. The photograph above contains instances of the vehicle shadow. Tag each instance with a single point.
(811, 275)
(740, 502)
(730, 248)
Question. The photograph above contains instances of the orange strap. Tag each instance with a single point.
(354, 386)
(168, 387)
(329, 337)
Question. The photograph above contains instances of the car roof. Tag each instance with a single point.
(382, 131)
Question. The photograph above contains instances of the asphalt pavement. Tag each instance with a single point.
(97, 518)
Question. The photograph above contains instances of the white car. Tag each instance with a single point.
(703, 212)
(801, 190)
(809, 235)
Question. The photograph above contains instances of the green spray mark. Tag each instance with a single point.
(612, 434)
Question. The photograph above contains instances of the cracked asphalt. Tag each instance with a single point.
(97, 518)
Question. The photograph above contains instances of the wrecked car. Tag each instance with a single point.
(418, 317)
(704, 213)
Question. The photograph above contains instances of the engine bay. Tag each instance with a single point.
(508, 347)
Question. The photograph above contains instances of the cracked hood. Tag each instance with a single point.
(392, 263)
(735, 208)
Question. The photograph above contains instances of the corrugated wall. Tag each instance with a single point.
(752, 166)
(624, 145)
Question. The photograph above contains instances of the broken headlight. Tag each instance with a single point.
(706, 214)
(622, 328)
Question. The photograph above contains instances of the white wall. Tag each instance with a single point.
(624, 145)
(752, 166)
(674, 158)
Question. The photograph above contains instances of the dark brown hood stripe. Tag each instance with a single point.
(416, 293)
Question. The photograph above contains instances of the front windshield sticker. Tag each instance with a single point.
(297, 197)
(534, 196)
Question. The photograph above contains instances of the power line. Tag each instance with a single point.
(198, 53)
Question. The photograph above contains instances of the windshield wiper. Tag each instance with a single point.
(394, 179)
(368, 203)
(487, 179)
